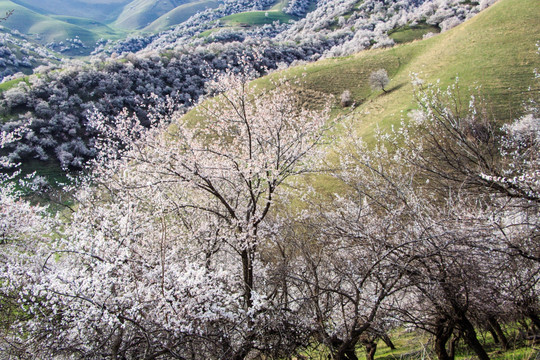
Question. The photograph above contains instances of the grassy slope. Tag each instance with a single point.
(97, 28)
(141, 13)
(495, 49)
(409, 33)
(251, 18)
(102, 12)
(10, 84)
(180, 14)
(54, 28)
(30, 22)
(256, 18)
(279, 5)
(415, 345)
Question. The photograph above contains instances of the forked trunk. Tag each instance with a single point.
(443, 332)
(371, 348)
(346, 353)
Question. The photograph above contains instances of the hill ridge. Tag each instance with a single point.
(495, 49)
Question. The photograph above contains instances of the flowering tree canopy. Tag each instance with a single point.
(162, 254)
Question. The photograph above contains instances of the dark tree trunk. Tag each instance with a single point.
(453, 346)
(371, 348)
(471, 339)
(117, 343)
(494, 335)
(498, 333)
(534, 318)
(347, 351)
(388, 341)
(443, 331)
(247, 269)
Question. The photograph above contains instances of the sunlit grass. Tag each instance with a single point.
(418, 345)
(252, 18)
(495, 50)
(408, 33)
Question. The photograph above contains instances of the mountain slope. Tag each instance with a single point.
(180, 14)
(19, 55)
(100, 10)
(254, 18)
(495, 49)
(44, 29)
(141, 13)
(97, 28)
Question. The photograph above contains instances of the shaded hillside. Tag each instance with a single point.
(101, 10)
(180, 14)
(141, 13)
(56, 104)
(63, 34)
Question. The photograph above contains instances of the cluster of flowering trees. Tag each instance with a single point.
(184, 33)
(350, 26)
(17, 54)
(55, 104)
(201, 239)
(472, 222)
(334, 27)
(162, 256)
(298, 7)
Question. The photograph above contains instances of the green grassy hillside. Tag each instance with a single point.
(180, 14)
(29, 22)
(141, 13)
(100, 10)
(496, 49)
(280, 5)
(408, 33)
(415, 345)
(97, 28)
(256, 18)
(46, 29)
(253, 18)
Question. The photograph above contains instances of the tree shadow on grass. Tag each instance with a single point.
(397, 87)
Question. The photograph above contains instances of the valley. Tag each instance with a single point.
(302, 179)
